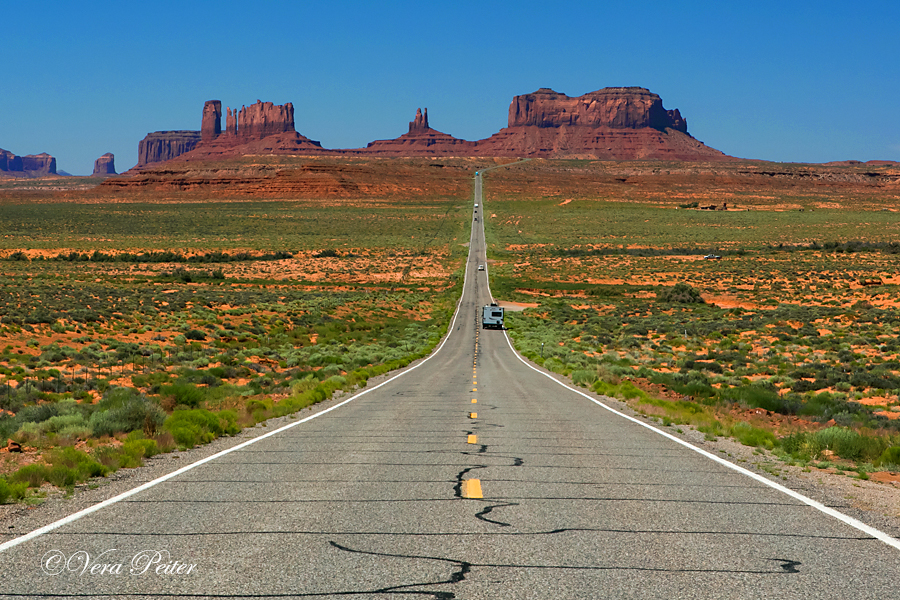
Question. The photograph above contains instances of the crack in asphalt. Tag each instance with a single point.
(488, 509)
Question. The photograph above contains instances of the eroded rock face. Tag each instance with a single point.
(160, 146)
(617, 108)
(31, 165)
(211, 125)
(9, 162)
(36, 165)
(420, 123)
(627, 123)
(105, 165)
(422, 140)
(260, 120)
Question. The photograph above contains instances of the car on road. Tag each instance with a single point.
(712, 257)
(481, 267)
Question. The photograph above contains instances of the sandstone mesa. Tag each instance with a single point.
(617, 123)
(31, 165)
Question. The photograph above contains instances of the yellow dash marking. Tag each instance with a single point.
(474, 400)
(473, 415)
(471, 488)
(472, 439)
(474, 389)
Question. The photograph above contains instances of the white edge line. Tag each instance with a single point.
(91, 509)
(856, 523)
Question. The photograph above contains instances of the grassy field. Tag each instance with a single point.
(130, 329)
(788, 339)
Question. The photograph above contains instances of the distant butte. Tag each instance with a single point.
(105, 166)
(31, 165)
(618, 123)
(422, 140)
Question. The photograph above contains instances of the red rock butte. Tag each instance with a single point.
(618, 123)
(30, 165)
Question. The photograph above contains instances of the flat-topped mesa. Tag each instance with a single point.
(211, 125)
(39, 164)
(614, 107)
(420, 123)
(260, 120)
(160, 146)
(31, 165)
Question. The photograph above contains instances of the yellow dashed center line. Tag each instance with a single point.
(472, 439)
(474, 400)
(471, 488)
(473, 415)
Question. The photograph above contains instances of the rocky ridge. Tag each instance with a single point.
(620, 123)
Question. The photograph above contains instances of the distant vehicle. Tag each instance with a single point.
(712, 257)
(492, 317)
(476, 205)
(481, 267)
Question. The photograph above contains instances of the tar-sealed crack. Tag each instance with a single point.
(488, 509)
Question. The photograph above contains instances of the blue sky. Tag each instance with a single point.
(782, 81)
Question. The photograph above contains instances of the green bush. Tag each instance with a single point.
(890, 459)
(584, 377)
(14, 491)
(753, 436)
(802, 445)
(31, 475)
(185, 394)
(851, 445)
(199, 426)
(70, 466)
(123, 410)
(680, 293)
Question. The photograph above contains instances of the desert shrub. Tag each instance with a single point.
(890, 459)
(184, 394)
(69, 466)
(12, 491)
(584, 377)
(850, 444)
(802, 445)
(123, 410)
(758, 396)
(753, 436)
(680, 293)
(200, 426)
(32, 475)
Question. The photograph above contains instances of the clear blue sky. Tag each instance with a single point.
(784, 81)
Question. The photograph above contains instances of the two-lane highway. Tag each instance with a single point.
(368, 500)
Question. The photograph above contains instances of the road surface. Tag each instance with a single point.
(368, 501)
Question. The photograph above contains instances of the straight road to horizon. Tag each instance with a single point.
(367, 500)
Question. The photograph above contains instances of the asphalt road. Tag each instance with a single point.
(367, 501)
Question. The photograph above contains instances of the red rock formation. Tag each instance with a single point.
(612, 123)
(263, 119)
(105, 165)
(160, 146)
(211, 125)
(422, 140)
(231, 122)
(618, 108)
(420, 123)
(39, 164)
(32, 165)
(9, 162)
